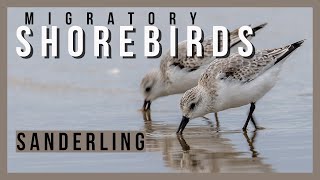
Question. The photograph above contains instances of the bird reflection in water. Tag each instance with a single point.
(251, 142)
(146, 115)
(203, 148)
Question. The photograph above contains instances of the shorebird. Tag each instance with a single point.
(233, 82)
(178, 74)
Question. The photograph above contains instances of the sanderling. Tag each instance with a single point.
(178, 74)
(233, 82)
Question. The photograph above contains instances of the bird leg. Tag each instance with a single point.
(254, 123)
(217, 122)
(252, 107)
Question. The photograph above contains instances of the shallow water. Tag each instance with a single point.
(91, 94)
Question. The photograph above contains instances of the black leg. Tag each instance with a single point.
(217, 121)
(252, 107)
(254, 123)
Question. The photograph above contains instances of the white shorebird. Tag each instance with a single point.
(178, 74)
(233, 82)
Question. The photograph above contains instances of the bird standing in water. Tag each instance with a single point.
(233, 82)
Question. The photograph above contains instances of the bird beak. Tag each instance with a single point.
(183, 124)
(146, 105)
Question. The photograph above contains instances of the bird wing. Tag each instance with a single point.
(184, 63)
(243, 70)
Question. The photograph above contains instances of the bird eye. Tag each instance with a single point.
(192, 105)
(148, 89)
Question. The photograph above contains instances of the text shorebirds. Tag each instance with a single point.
(233, 82)
(178, 74)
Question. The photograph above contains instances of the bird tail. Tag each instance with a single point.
(288, 50)
(234, 35)
(254, 29)
(257, 28)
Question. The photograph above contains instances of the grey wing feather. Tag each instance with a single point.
(183, 62)
(241, 69)
(193, 63)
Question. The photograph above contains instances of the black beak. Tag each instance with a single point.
(146, 105)
(183, 124)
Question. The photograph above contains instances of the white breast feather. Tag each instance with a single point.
(233, 94)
